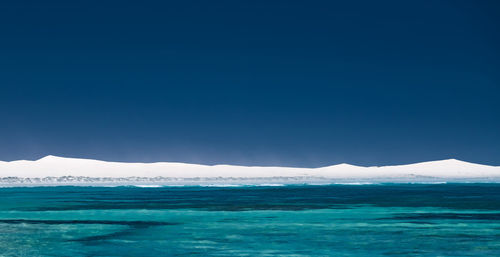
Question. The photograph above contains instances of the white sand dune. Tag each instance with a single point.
(52, 166)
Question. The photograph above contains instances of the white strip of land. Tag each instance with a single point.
(53, 166)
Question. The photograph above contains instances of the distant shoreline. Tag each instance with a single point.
(53, 170)
(223, 182)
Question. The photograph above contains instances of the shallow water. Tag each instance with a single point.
(335, 220)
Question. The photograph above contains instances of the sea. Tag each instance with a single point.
(447, 219)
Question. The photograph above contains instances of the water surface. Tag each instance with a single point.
(334, 220)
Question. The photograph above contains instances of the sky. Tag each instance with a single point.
(289, 83)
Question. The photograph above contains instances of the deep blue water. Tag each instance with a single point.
(336, 220)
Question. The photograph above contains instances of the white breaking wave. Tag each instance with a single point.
(60, 170)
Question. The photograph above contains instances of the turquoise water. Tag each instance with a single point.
(336, 220)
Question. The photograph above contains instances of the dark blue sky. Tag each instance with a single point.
(299, 83)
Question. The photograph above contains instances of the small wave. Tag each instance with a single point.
(243, 185)
(147, 186)
(430, 182)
